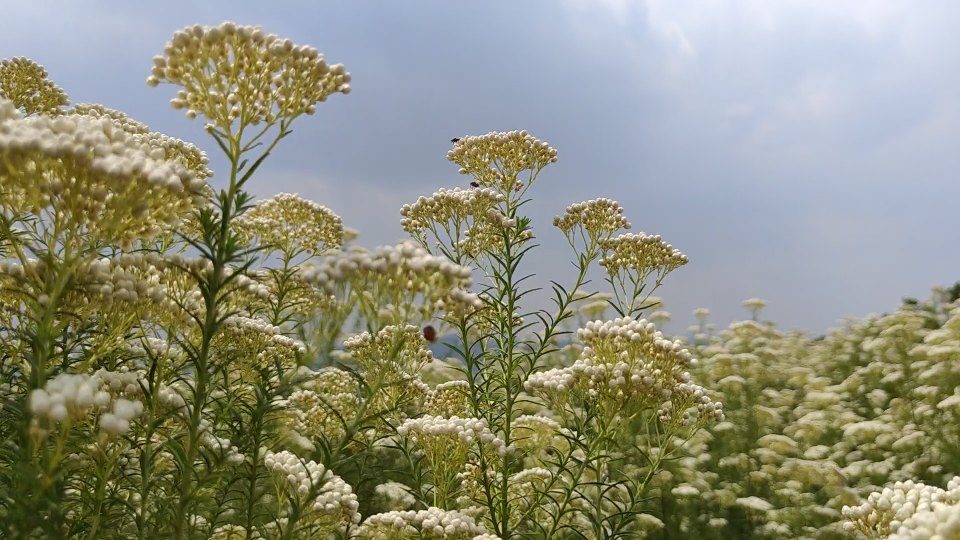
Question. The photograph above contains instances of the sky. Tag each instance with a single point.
(803, 152)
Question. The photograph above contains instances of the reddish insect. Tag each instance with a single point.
(429, 333)
(475, 184)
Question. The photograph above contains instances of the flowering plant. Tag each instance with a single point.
(180, 361)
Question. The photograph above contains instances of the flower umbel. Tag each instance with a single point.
(232, 72)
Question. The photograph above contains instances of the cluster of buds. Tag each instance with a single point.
(626, 365)
(395, 352)
(156, 145)
(291, 224)
(432, 523)
(25, 83)
(886, 511)
(334, 497)
(329, 380)
(320, 415)
(398, 276)
(447, 443)
(95, 175)
(210, 441)
(641, 253)
(496, 159)
(598, 218)
(236, 72)
(529, 487)
(119, 118)
(129, 278)
(260, 345)
(451, 210)
(69, 397)
(449, 399)
(536, 434)
(394, 495)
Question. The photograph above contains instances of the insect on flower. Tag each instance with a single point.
(429, 333)
(455, 140)
(475, 184)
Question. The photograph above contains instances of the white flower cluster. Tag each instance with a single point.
(640, 252)
(395, 350)
(941, 522)
(256, 77)
(395, 496)
(449, 399)
(124, 193)
(262, 342)
(449, 207)
(334, 496)
(401, 273)
(68, 397)
(219, 444)
(495, 159)
(119, 118)
(127, 278)
(171, 148)
(440, 432)
(288, 223)
(432, 523)
(535, 434)
(912, 505)
(153, 346)
(627, 364)
(598, 217)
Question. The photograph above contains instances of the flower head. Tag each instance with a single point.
(496, 159)
(597, 218)
(236, 72)
(291, 224)
(95, 177)
(640, 253)
(25, 83)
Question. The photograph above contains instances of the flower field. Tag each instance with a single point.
(180, 360)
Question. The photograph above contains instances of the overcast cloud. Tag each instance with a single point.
(801, 152)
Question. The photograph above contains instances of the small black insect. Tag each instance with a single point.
(455, 140)
(475, 184)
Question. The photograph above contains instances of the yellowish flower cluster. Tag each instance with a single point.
(318, 416)
(236, 72)
(395, 352)
(25, 83)
(291, 224)
(453, 211)
(257, 345)
(447, 443)
(92, 177)
(535, 435)
(496, 159)
(449, 399)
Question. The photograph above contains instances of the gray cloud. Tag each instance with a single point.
(800, 152)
